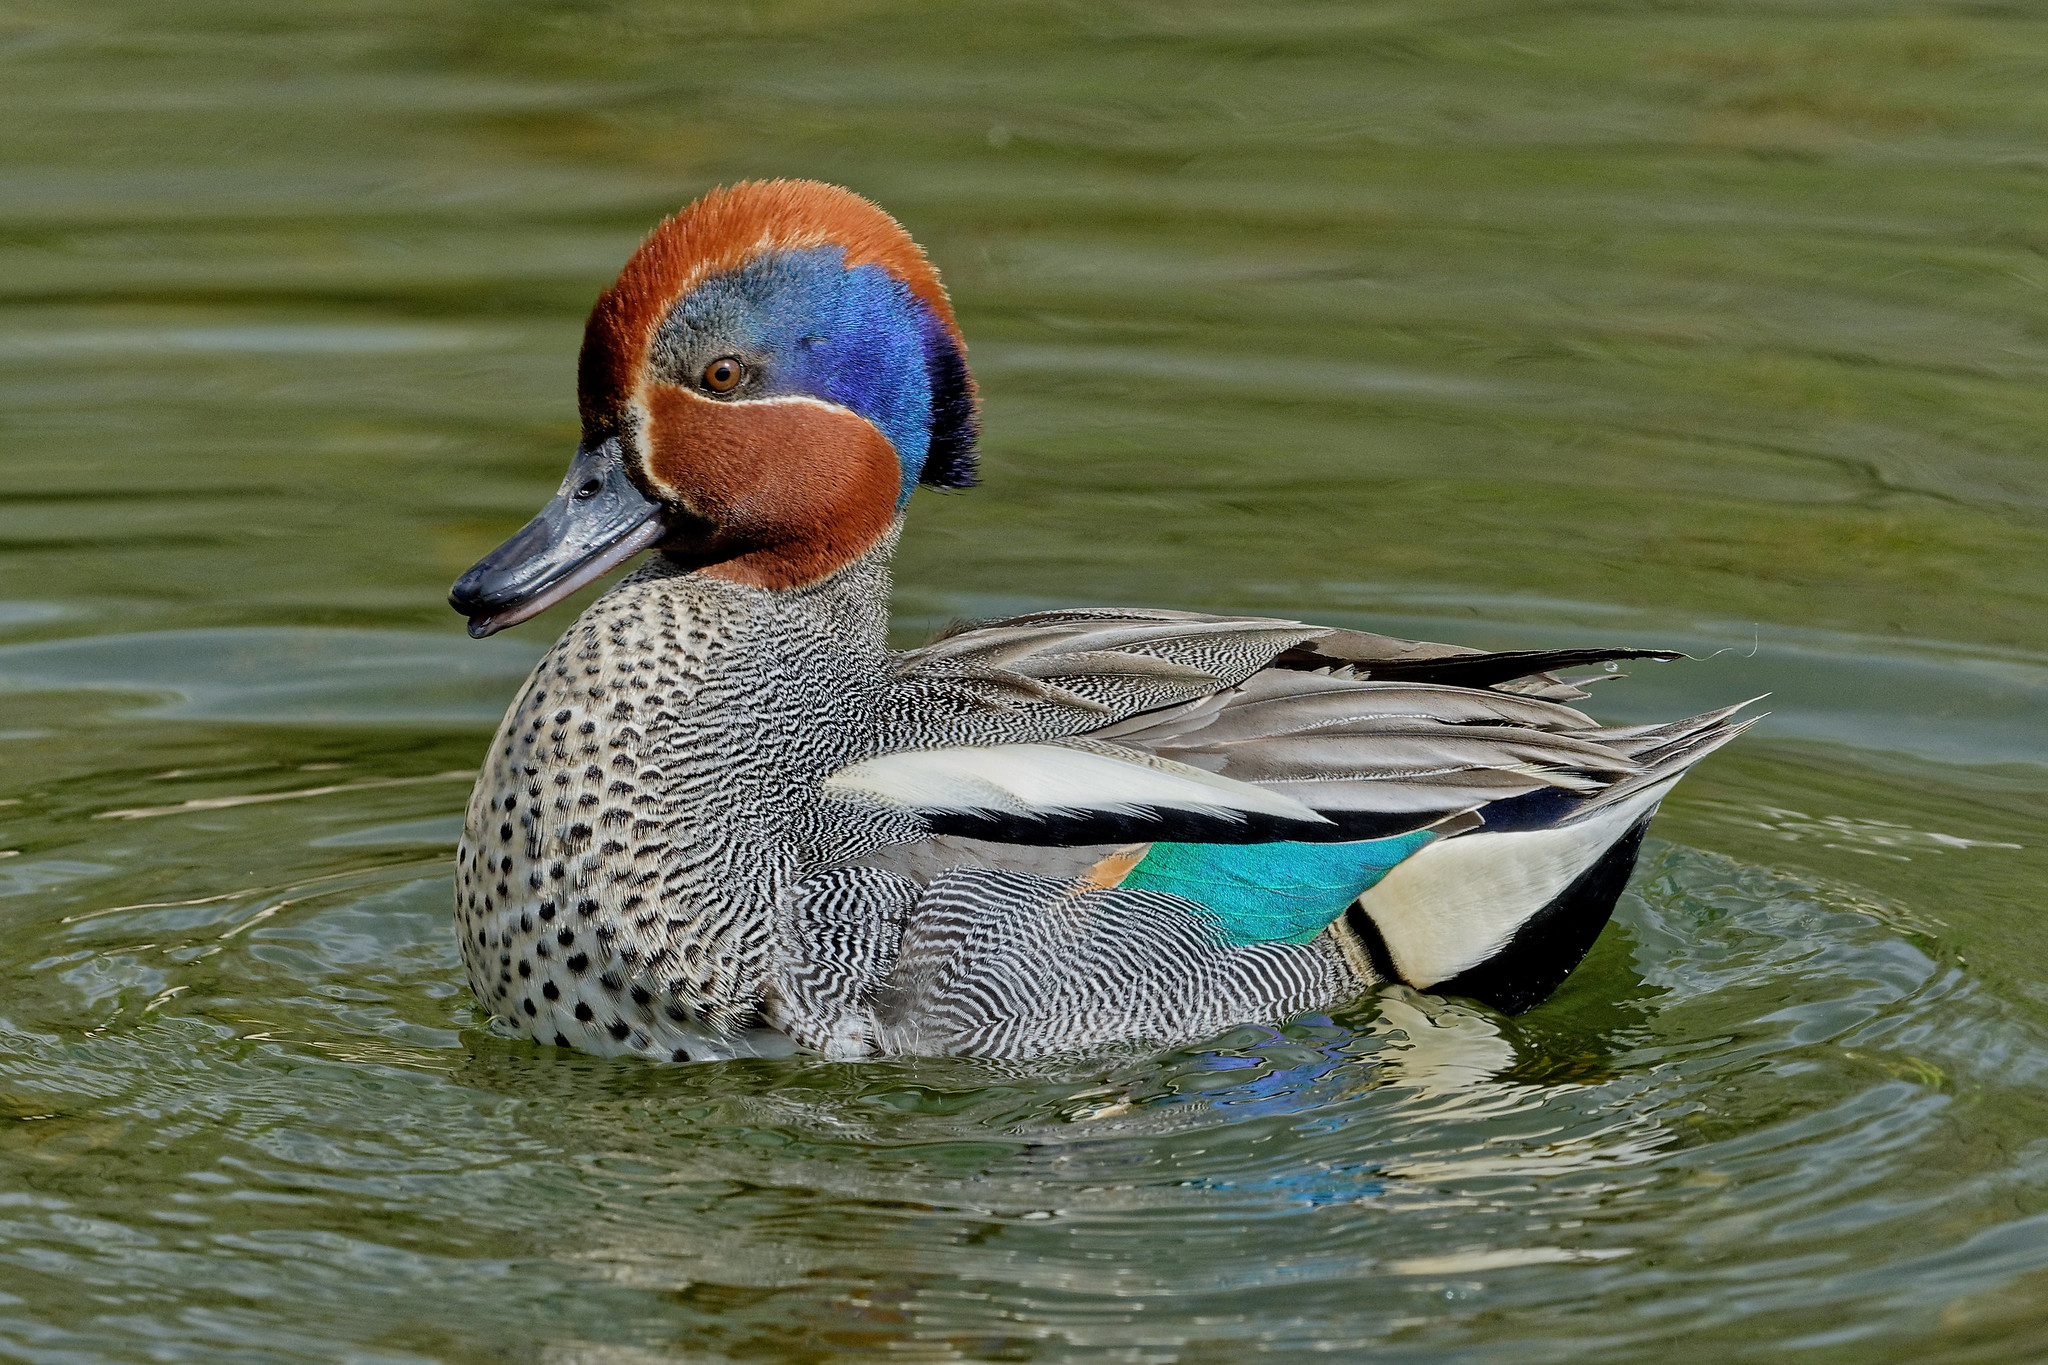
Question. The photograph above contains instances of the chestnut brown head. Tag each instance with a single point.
(773, 372)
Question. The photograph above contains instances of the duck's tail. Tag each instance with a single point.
(1503, 912)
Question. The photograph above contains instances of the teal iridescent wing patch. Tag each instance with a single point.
(1272, 893)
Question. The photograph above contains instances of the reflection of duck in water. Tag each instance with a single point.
(724, 818)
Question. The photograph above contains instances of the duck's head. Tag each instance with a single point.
(773, 372)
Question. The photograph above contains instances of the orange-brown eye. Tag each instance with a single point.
(724, 374)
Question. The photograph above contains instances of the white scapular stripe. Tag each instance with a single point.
(1454, 903)
(1047, 779)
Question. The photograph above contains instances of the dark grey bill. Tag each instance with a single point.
(596, 521)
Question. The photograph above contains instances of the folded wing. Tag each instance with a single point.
(1126, 713)
(1477, 827)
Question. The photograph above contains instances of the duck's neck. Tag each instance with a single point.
(851, 604)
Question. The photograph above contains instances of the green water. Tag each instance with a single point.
(1709, 325)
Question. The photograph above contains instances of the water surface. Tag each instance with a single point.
(1717, 326)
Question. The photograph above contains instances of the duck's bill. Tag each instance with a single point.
(596, 521)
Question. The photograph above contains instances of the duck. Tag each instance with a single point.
(723, 818)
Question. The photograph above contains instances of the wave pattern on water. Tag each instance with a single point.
(1750, 1072)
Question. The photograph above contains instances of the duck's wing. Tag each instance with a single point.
(1498, 903)
(1054, 674)
(1086, 727)
(1119, 661)
(1436, 813)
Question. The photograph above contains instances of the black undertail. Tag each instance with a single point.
(1552, 941)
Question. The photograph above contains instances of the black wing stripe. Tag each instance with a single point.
(1486, 670)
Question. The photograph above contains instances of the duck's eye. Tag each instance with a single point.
(724, 374)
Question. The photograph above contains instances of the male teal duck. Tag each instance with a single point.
(724, 818)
